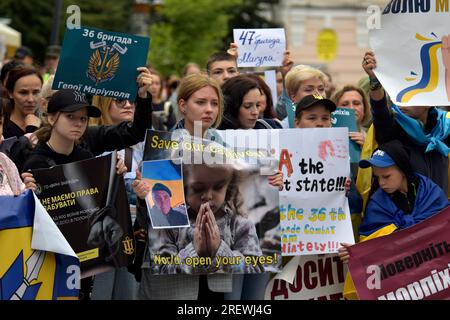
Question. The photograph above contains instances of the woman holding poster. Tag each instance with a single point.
(201, 104)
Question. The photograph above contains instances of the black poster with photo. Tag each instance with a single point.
(88, 202)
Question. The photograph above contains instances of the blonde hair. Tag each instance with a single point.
(194, 82)
(300, 73)
(103, 103)
(47, 91)
(348, 88)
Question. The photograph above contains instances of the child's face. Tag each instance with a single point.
(317, 116)
(69, 125)
(390, 179)
(208, 184)
(223, 70)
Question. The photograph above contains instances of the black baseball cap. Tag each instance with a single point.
(312, 100)
(161, 187)
(66, 100)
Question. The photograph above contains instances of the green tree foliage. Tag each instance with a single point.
(111, 15)
(248, 16)
(191, 30)
(34, 18)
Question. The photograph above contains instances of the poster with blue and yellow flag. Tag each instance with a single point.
(36, 262)
(412, 49)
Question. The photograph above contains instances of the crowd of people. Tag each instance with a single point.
(41, 127)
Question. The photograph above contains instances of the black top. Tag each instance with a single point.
(167, 116)
(99, 139)
(44, 157)
(13, 130)
(431, 164)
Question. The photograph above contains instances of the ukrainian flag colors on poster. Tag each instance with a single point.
(36, 262)
(412, 48)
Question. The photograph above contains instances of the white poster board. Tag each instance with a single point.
(412, 49)
(260, 47)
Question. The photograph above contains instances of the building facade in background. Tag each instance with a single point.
(329, 34)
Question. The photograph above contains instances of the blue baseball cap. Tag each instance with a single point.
(379, 159)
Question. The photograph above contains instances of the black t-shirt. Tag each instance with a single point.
(44, 157)
(13, 130)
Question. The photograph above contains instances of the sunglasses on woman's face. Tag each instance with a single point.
(122, 103)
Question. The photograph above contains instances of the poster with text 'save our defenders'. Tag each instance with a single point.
(260, 47)
(412, 49)
(99, 62)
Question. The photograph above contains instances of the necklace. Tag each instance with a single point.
(50, 146)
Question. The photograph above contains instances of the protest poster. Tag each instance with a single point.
(314, 212)
(413, 264)
(166, 199)
(345, 118)
(91, 210)
(314, 209)
(36, 262)
(412, 50)
(315, 277)
(225, 189)
(260, 47)
(100, 62)
(315, 216)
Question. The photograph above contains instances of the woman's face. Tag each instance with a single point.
(121, 110)
(314, 117)
(249, 110)
(263, 105)
(390, 179)
(208, 184)
(155, 87)
(308, 87)
(26, 94)
(202, 107)
(353, 100)
(69, 126)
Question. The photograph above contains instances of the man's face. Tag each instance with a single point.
(162, 200)
(223, 70)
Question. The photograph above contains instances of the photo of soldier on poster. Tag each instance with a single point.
(91, 210)
(221, 204)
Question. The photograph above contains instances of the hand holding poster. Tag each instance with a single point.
(345, 118)
(412, 50)
(91, 211)
(260, 47)
(413, 263)
(100, 62)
